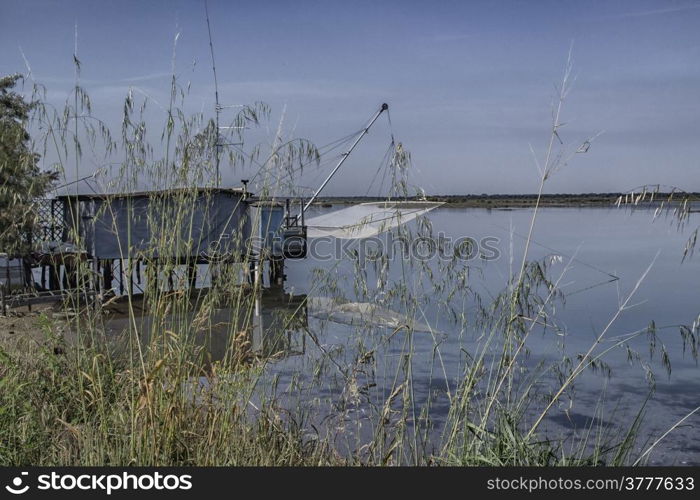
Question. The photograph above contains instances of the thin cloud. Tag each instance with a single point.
(451, 37)
(143, 78)
(109, 82)
(653, 12)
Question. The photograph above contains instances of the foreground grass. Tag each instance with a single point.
(80, 404)
(92, 402)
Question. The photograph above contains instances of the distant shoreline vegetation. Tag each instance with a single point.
(519, 200)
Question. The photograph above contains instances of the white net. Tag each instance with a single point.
(367, 219)
(363, 314)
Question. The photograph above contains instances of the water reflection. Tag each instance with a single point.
(270, 324)
(279, 324)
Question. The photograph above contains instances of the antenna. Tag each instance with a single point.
(217, 108)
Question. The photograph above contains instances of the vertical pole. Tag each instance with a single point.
(277, 271)
(121, 276)
(96, 289)
(3, 304)
(28, 279)
(192, 273)
(301, 201)
(64, 279)
(107, 274)
(54, 275)
(8, 283)
(98, 276)
(214, 271)
(216, 100)
(256, 275)
(130, 278)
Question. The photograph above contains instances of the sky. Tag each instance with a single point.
(470, 84)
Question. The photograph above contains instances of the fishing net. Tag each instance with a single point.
(367, 219)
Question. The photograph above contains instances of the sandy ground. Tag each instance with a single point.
(20, 322)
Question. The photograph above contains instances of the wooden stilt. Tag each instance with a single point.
(251, 272)
(28, 279)
(192, 273)
(97, 268)
(152, 276)
(3, 303)
(54, 276)
(107, 275)
(130, 278)
(214, 271)
(68, 274)
(171, 286)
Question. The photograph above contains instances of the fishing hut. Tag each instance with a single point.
(182, 227)
(115, 234)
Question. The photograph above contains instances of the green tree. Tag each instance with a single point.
(21, 180)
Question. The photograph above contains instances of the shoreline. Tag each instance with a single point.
(517, 200)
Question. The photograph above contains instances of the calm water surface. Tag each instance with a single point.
(597, 245)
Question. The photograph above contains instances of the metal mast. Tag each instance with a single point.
(217, 109)
(345, 155)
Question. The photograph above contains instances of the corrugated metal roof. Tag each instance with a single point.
(142, 194)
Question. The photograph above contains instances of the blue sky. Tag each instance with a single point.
(469, 83)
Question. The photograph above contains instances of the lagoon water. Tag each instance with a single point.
(604, 253)
(598, 256)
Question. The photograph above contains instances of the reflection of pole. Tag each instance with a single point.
(345, 156)
(257, 337)
(256, 276)
(276, 271)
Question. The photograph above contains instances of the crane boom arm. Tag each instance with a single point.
(345, 155)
